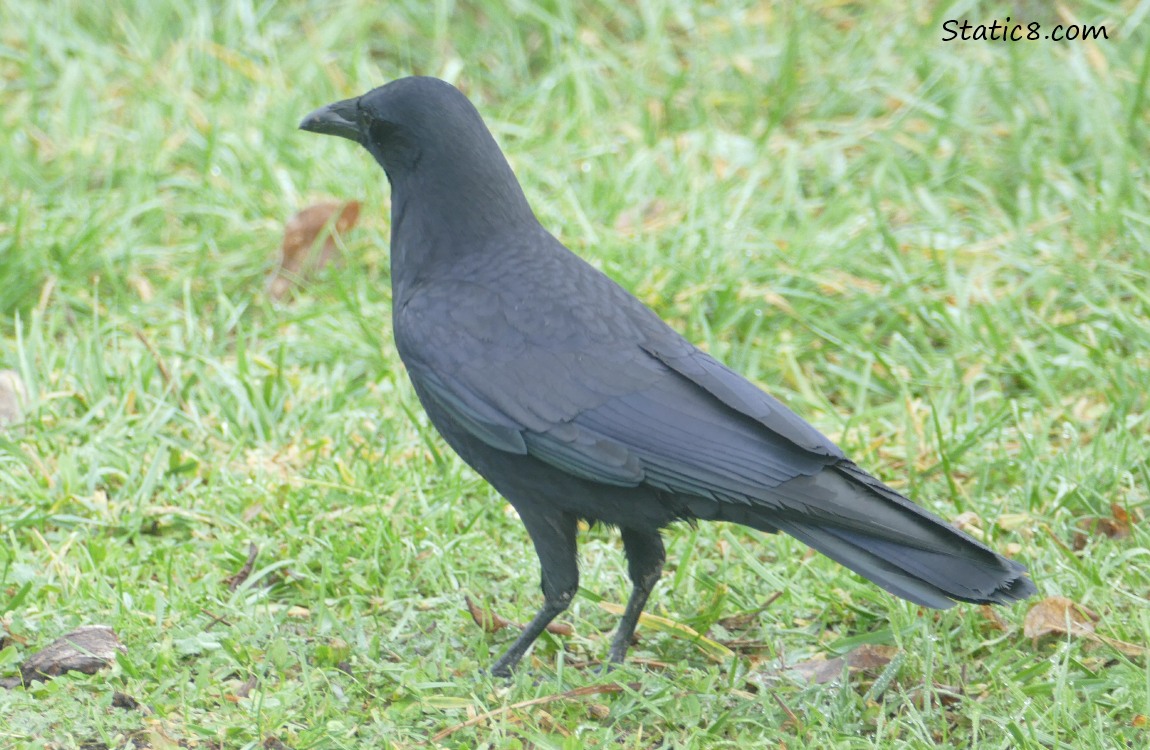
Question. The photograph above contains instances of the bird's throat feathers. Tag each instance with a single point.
(438, 216)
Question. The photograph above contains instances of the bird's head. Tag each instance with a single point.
(441, 160)
(415, 122)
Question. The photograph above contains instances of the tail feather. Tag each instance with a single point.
(932, 579)
(871, 566)
(856, 520)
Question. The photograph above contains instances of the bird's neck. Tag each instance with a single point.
(434, 225)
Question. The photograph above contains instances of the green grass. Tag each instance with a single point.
(937, 252)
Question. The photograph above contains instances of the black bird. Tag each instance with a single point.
(576, 401)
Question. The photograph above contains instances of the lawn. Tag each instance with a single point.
(936, 251)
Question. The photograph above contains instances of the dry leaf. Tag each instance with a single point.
(489, 621)
(86, 649)
(493, 623)
(744, 620)
(235, 581)
(598, 711)
(995, 619)
(127, 702)
(560, 628)
(1130, 649)
(1057, 615)
(1117, 526)
(970, 523)
(741, 621)
(302, 254)
(821, 670)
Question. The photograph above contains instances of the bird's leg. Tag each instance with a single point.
(645, 557)
(553, 534)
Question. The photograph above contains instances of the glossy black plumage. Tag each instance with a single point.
(577, 401)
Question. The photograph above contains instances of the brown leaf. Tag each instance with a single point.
(822, 670)
(1057, 615)
(747, 646)
(744, 620)
(870, 657)
(741, 621)
(560, 628)
(235, 581)
(598, 711)
(493, 623)
(1121, 515)
(245, 690)
(86, 649)
(126, 702)
(993, 618)
(489, 621)
(969, 522)
(299, 255)
(938, 694)
(1130, 649)
(1117, 526)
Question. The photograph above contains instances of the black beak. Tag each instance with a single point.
(339, 119)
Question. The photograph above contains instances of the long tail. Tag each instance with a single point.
(858, 521)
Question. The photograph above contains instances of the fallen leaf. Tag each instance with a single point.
(86, 649)
(549, 724)
(970, 523)
(1130, 649)
(939, 694)
(235, 581)
(493, 623)
(599, 711)
(302, 252)
(560, 628)
(821, 670)
(245, 690)
(1116, 526)
(489, 621)
(995, 619)
(744, 620)
(127, 702)
(1057, 615)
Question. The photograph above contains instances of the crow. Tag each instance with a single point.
(576, 401)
